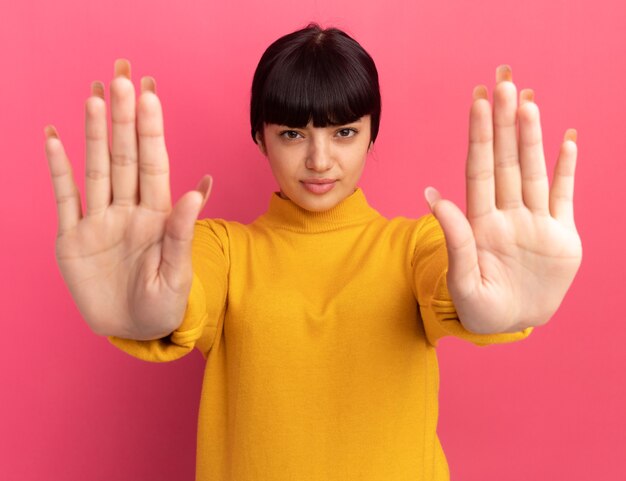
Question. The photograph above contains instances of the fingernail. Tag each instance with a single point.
(122, 68)
(51, 132)
(527, 95)
(432, 195)
(504, 73)
(204, 187)
(97, 89)
(571, 134)
(480, 92)
(148, 84)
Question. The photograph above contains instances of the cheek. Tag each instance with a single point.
(358, 163)
(285, 159)
(281, 168)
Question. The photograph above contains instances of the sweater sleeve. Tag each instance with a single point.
(206, 302)
(430, 267)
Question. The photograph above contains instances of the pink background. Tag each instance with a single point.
(75, 408)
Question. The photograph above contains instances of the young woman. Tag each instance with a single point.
(319, 320)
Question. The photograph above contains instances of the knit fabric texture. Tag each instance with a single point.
(319, 331)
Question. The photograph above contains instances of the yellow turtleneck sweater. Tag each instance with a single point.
(319, 333)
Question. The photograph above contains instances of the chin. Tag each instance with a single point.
(318, 207)
(318, 203)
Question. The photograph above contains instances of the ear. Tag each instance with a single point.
(370, 146)
(259, 142)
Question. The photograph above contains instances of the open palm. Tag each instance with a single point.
(127, 260)
(514, 255)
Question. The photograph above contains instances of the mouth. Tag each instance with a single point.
(318, 186)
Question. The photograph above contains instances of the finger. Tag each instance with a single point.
(507, 168)
(176, 255)
(123, 137)
(98, 169)
(535, 185)
(463, 270)
(480, 189)
(562, 191)
(65, 190)
(154, 179)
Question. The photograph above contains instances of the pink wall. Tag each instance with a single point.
(75, 408)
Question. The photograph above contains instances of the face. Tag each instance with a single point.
(317, 167)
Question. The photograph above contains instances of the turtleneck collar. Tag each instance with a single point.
(353, 210)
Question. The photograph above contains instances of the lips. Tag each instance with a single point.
(318, 186)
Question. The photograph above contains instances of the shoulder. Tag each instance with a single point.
(402, 235)
(422, 228)
(216, 231)
(225, 232)
(419, 238)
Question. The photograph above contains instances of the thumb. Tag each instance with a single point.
(175, 264)
(463, 269)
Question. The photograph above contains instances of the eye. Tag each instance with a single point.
(290, 134)
(347, 132)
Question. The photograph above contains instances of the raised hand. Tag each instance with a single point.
(514, 255)
(127, 260)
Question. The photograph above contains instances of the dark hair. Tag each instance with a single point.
(317, 75)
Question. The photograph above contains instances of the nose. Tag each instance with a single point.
(319, 155)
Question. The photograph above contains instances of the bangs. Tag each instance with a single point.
(323, 77)
(324, 90)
